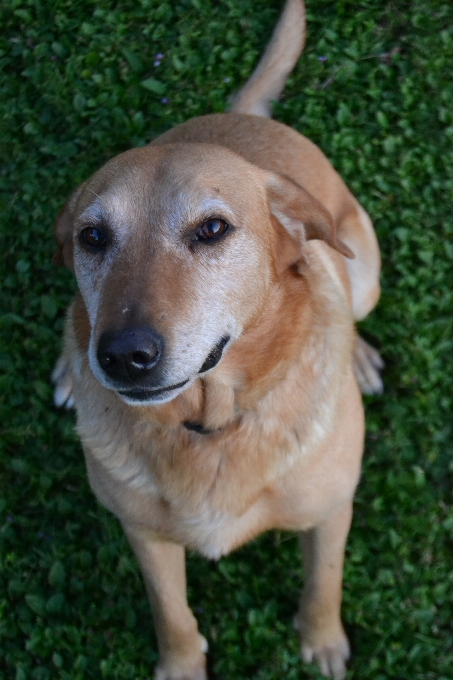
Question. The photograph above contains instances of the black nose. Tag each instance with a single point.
(129, 355)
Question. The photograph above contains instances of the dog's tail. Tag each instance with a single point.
(268, 79)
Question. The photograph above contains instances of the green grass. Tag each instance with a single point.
(78, 85)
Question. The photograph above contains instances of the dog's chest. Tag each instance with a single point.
(214, 493)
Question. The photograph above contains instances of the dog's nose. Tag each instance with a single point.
(129, 355)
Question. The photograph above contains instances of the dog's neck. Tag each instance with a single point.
(251, 368)
(314, 332)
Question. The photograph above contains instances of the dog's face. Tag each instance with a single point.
(175, 249)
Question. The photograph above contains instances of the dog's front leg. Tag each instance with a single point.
(319, 619)
(181, 647)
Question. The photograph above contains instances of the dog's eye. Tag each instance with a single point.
(93, 237)
(211, 230)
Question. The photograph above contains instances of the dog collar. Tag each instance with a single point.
(197, 427)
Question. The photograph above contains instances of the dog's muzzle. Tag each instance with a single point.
(130, 358)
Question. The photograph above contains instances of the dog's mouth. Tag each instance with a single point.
(142, 394)
(150, 395)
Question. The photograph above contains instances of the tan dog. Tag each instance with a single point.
(209, 353)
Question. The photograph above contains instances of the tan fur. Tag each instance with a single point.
(268, 80)
(282, 409)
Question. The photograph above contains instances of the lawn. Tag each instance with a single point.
(81, 81)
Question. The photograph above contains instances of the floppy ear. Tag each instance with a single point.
(62, 230)
(299, 217)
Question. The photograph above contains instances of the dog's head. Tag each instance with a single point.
(175, 249)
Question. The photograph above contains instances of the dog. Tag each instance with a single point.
(211, 353)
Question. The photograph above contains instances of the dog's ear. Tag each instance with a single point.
(299, 217)
(63, 256)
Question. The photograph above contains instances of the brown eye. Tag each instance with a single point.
(211, 230)
(93, 237)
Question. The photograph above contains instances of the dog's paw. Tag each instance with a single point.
(331, 658)
(163, 674)
(62, 380)
(328, 648)
(178, 669)
(367, 364)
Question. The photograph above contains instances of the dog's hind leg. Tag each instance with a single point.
(318, 621)
(62, 380)
(61, 375)
(356, 230)
(181, 647)
(367, 364)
